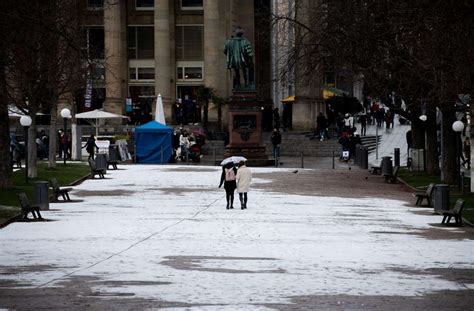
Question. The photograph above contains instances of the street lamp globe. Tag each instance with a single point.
(423, 118)
(65, 113)
(458, 126)
(25, 121)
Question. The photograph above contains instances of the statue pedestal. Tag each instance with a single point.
(245, 129)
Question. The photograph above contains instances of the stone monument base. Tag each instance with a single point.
(255, 155)
(245, 129)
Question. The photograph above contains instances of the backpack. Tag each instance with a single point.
(229, 174)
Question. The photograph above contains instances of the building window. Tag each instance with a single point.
(95, 4)
(189, 43)
(191, 4)
(141, 42)
(141, 73)
(145, 4)
(146, 73)
(94, 46)
(191, 71)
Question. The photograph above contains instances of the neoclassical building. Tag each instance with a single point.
(142, 48)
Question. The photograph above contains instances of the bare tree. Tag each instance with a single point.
(420, 51)
(44, 62)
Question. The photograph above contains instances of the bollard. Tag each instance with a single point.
(214, 155)
(461, 183)
(396, 156)
(333, 157)
(302, 160)
(41, 195)
(387, 168)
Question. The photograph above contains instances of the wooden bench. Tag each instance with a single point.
(455, 212)
(27, 208)
(420, 196)
(376, 169)
(58, 191)
(392, 178)
(94, 170)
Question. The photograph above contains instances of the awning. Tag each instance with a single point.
(329, 92)
(288, 100)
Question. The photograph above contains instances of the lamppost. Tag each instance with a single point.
(458, 126)
(25, 121)
(423, 118)
(65, 113)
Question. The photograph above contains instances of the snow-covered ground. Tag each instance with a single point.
(148, 223)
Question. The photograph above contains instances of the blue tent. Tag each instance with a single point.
(151, 140)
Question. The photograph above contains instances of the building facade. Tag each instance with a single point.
(138, 49)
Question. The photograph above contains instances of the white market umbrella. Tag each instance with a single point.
(233, 159)
(159, 112)
(94, 116)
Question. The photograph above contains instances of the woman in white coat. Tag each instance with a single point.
(244, 178)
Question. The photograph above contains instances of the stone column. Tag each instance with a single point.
(164, 67)
(307, 86)
(215, 68)
(115, 56)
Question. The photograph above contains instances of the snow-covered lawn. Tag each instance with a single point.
(169, 224)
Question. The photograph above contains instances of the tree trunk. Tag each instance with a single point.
(5, 156)
(53, 137)
(432, 160)
(418, 134)
(449, 147)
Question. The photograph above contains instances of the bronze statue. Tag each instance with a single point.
(239, 54)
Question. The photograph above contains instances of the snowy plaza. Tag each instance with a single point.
(162, 233)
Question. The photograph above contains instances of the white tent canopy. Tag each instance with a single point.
(94, 116)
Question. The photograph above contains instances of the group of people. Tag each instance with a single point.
(187, 145)
(236, 178)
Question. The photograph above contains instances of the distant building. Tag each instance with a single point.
(166, 47)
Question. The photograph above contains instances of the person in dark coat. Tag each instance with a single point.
(321, 125)
(90, 146)
(228, 179)
(276, 142)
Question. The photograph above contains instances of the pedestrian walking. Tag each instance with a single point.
(467, 152)
(244, 178)
(184, 145)
(321, 125)
(91, 147)
(276, 142)
(228, 178)
(363, 124)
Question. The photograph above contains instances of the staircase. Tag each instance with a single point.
(293, 143)
(370, 142)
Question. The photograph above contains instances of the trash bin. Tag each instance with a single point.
(41, 195)
(441, 198)
(387, 168)
(364, 161)
(101, 161)
(114, 155)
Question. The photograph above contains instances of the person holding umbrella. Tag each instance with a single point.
(228, 179)
(244, 177)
